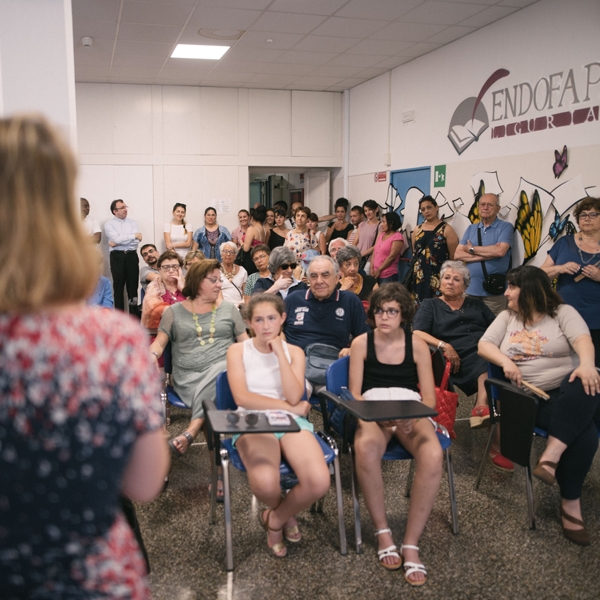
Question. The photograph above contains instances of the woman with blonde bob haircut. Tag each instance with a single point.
(79, 393)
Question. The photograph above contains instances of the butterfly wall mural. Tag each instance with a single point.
(560, 162)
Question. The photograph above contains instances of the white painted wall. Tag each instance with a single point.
(546, 39)
(157, 145)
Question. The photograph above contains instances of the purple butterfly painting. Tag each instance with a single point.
(560, 162)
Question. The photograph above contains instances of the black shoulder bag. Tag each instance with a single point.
(493, 284)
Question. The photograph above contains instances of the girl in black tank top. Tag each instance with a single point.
(391, 311)
(381, 375)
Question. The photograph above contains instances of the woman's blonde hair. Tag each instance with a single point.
(47, 258)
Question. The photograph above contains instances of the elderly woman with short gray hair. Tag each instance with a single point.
(455, 323)
(348, 258)
(233, 277)
(282, 263)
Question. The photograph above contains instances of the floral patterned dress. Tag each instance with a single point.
(77, 389)
(300, 242)
(432, 251)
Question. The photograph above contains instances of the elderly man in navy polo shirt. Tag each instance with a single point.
(323, 313)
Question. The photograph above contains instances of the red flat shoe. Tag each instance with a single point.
(500, 462)
(480, 417)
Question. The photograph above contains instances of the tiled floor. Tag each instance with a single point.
(494, 556)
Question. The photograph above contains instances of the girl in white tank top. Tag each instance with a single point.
(272, 378)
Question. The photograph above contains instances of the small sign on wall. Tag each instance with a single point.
(439, 176)
(381, 176)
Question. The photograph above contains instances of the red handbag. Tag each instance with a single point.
(446, 403)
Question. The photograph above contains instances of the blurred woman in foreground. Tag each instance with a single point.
(79, 395)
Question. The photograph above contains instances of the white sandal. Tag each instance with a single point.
(389, 551)
(411, 567)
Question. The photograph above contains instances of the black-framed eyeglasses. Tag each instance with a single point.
(170, 267)
(588, 215)
(390, 312)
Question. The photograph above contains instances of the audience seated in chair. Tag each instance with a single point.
(273, 378)
(544, 342)
(390, 357)
(281, 281)
(455, 323)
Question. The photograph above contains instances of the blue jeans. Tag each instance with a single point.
(384, 280)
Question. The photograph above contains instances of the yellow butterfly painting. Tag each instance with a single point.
(529, 224)
(474, 210)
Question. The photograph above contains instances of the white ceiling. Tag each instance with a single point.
(314, 44)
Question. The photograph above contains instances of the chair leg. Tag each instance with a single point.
(452, 491)
(529, 497)
(357, 531)
(213, 492)
(485, 455)
(409, 479)
(340, 505)
(227, 506)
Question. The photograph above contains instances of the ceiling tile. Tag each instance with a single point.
(450, 34)
(305, 58)
(189, 65)
(287, 23)
(419, 49)
(310, 7)
(181, 75)
(190, 35)
(441, 13)
(284, 69)
(228, 77)
(386, 10)
(342, 27)
(122, 60)
(380, 47)
(258, 39)
(132, 80)
(134, 72)
(331, 71)
(252, 4)
(393, 62)
(304, 88)
(351, 82)
(254, 54)
(371, 72)
(101, 10)
(143, 48)
(157, 13)
(273, 79)
(406, 32)
(221, 84)
(94, 29)
(92, 71)
(239, 66)
(489, 15)
(517, 3)
(317, 80)
(134, 32)
(488, 2)
(321, 43)
(169, 1)
(175, 82)
(356, 60)
(213, 17)
(79, 79)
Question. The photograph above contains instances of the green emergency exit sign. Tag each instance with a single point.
(439, 176)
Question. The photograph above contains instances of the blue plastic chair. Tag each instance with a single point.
(228, 454)
(337, 378)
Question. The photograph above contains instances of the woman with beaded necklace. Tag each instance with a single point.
(200, 329)
(575, 259)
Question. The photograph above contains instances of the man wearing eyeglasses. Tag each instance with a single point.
(123, 238)
(324, 314)
(149, 272)
(486, 249)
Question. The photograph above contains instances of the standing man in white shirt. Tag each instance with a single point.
(91, 226)
(123, 238)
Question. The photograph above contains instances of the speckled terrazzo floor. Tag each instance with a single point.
(494, 556)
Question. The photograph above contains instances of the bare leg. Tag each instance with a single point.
(193, 429)
(481, 393)
(370, 443)
(424, 445)
(554, 450)
(573, 509)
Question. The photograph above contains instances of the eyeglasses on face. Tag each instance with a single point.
(390, 312)
(213, 280)
(487, 205)
(588, 215)
(147, 253)
(228, 252)
(259, 257)
(170, 267)
(286, 266)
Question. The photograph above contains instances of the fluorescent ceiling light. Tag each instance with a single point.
(196, 51)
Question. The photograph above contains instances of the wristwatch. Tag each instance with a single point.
(472, 250)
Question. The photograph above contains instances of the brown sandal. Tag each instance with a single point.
(278, 549)
(577, 536)
(543, 474)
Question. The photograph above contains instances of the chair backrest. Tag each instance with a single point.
(517, 420)
(337, 375)
(224, 400)
(168, 359)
